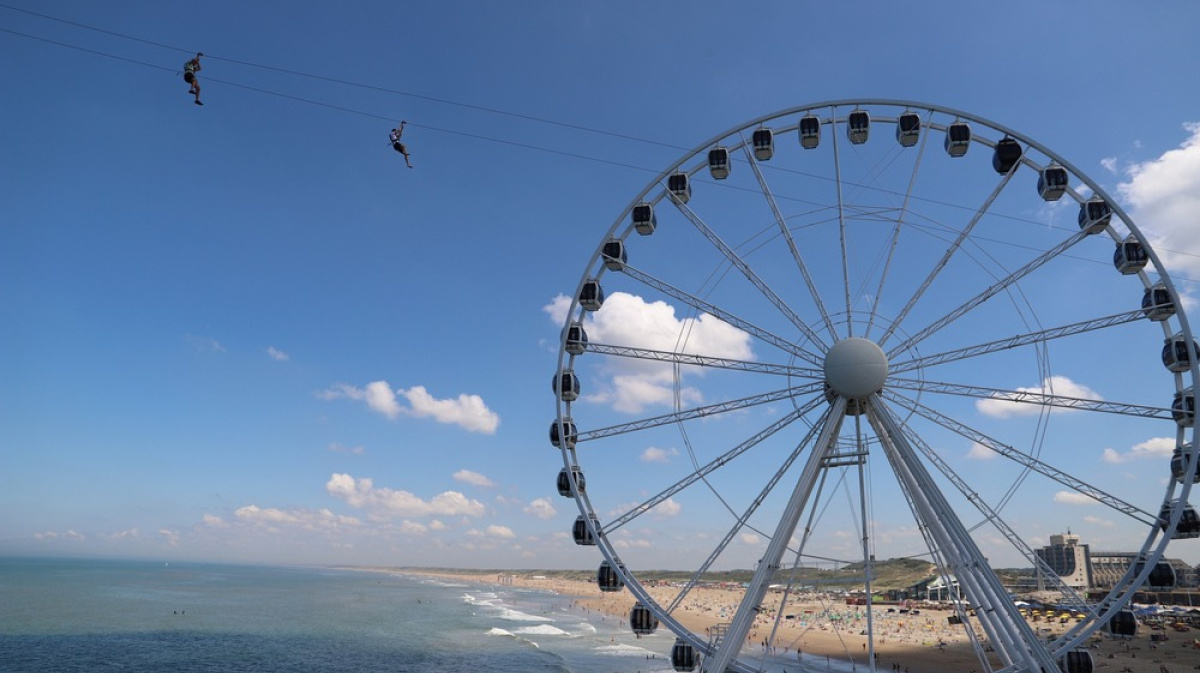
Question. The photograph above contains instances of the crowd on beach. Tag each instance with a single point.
(822, 631)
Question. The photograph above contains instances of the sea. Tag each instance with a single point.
(59, 615)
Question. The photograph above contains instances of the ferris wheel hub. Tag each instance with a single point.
(855, 368)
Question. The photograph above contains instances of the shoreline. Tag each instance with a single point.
(904, 643)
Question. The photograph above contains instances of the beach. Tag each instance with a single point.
(831, 635)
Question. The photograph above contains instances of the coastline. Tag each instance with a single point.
(923, 643)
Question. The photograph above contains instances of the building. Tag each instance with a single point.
(1069, 559)
(1081, 568)
(1110, 566)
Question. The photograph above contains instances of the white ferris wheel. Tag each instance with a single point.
(870, 329)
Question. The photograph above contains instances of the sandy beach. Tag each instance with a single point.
(829, 633)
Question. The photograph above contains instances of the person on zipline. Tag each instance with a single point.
(189, 75)
(399, 146)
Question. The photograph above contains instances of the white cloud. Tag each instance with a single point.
(125, 534)
(653, 454)
(53, 535)
(354, 450)
(413, 528)
(256, 514)
(171, 536)
(667, 508)
(1163, 202)
(980, 452)
(378, 395)
(749, 538)
(362, 494)
(1055, 385)
(307, 519)
(203, 343)
(542, 508)
(557, 309)
(436, 525)
(277, 355)
(1073, 498)
(629, 320)
(492, 533)
(1156, 447)
(214, 521)
(1109, 164)
(632, 393)
(501, 532)
(632, 544)
(466, 411)
(473, 478)
(1097, 521)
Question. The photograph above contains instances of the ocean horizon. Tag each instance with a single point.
(136, 616)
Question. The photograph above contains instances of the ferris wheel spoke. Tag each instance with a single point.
(748, 272)
(941, 264)
(701, 305)
(1045, 469)
(1031, 397)
(1012, 637)
(790, 240)
(1017, 341)
(993, 517)
(841, 203)
(895, 236)
(704, 361)
(741, 522)
(701, 412)
(990, 292)
(713, 465)
(747, 610)
(864, 526)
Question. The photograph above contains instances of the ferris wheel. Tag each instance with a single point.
(862, 330)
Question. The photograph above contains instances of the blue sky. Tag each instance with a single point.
(246, 332)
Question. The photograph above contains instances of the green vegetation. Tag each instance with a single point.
(898, 573)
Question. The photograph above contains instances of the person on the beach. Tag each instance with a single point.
(189, 75)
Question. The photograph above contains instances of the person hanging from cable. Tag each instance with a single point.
(399, 146)
(189, 75)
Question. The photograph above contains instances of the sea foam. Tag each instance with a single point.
(518, 616)
(541, 630)
(622, 650)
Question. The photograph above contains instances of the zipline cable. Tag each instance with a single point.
(341, 108)
(464, 134)
(89, 51)
(371, 87)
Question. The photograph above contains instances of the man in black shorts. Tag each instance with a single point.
(397, 145)
(189, 75)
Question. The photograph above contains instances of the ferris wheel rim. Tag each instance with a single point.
(596, 270)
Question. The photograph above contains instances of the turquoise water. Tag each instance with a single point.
(137, 617)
